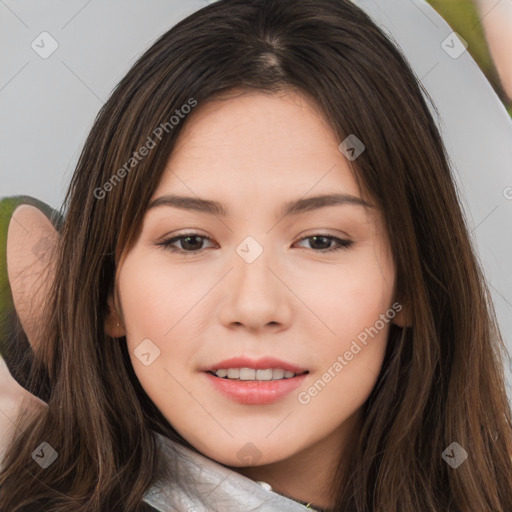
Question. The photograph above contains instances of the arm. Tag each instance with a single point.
(28, 233)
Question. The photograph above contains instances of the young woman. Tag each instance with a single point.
(266, 196)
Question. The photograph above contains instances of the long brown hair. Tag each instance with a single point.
(442, 380)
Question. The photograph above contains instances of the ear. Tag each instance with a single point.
(31, 240)
(114, 325)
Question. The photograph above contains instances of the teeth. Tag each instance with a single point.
(277, 373)
(247, 374)
(233, 373)
(267, 374)
(251, 374)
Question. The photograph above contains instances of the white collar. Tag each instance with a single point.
(212, 488)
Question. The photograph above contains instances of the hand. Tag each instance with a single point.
(30, 263)
(14, 399)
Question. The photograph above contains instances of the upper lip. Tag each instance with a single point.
(257, 364)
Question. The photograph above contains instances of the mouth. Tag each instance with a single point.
(247, 387)
(251, 381)
(256, 375)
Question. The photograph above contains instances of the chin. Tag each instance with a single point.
(236, 454)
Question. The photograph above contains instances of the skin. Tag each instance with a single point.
(297, 451)
(249, 306)
(29, 279)
(14, 400)
(496, 16)
(253, 153)
(30, 239)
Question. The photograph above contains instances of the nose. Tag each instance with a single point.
(255, 294)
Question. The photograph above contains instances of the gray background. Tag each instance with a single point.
(48, 104)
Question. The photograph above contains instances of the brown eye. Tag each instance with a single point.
(190, 243)
(321, 243)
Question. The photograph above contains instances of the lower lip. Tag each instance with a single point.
(252, 392)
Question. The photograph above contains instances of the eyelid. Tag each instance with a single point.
(342, 243)
(184, 232)
(342, 235)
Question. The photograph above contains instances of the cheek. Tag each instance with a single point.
(354, 304)
(155, 306)
(357, 310)
(347, 299)
(154, 300)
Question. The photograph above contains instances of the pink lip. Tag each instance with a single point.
(251, 392)
(259, 364)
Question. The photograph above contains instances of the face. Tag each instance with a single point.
(202, 286)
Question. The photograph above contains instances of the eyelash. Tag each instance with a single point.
(167, 244)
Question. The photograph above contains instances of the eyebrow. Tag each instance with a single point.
(290, 208)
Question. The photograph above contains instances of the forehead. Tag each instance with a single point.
(258, 143)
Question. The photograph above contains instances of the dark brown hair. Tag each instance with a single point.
(442, 379)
